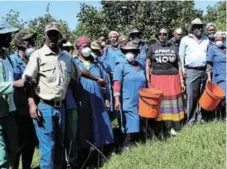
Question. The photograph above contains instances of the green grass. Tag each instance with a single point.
(200, 147)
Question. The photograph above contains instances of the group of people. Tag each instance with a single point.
(68, 102)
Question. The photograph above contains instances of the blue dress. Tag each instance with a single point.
(132, 80)
(218, 58)
(94, 122)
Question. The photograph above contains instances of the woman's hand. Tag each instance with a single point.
(117, 105)
(208, 80)
(107, 104)
(101, 82)
(183, 86)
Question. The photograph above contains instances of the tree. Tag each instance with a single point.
(217, 15)
(91, 22)
(147, 16)
(13, 18)
(38, 25)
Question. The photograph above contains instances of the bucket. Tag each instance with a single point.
(211, 97)
(149, 102)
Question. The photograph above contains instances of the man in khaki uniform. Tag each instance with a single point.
(53, 70)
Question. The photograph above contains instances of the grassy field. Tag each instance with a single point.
(200, 147)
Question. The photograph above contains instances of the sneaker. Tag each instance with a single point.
(173, 132)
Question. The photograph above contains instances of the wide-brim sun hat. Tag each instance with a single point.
(197, 21)
(5, 27)
(130, 46)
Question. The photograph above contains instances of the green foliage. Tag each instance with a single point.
(14, 19)
(200, 147)
(217, 15)
(37, 25)
(122, 16)
(91, 22)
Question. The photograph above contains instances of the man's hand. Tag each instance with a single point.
(19, 83)
(33, 110)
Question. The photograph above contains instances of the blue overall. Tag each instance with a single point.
(218, 58)
(141, 58)
(94, 124)
(111, 57)
(131, 81)
(26, 132)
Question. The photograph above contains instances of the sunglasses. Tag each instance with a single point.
(162, 34)
(211, 30)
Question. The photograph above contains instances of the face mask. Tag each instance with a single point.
(219, 43)
(103, 43)
(93, 55)
(137, 40)
(211, 36)
(86, 52)
(130, 56)
(29, 51)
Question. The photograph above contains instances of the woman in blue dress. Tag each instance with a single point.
(129, 78)
(94, 122)
(216, 63)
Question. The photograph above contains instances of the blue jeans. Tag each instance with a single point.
(50, 132)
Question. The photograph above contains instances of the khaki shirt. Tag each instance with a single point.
(53, 73)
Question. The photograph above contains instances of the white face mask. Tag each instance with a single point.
(219, 43)
(103, 43)
(29, 51)
(93, 55)
(130, 56)
(86, 52)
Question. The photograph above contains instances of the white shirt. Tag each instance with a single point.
(9, 77)
(193, 52)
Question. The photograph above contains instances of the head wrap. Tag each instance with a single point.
(113, 32)
(80, 41)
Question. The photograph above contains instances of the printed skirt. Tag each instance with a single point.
(172, 106)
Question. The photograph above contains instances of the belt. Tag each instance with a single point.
(196, 68)
(52, 102)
